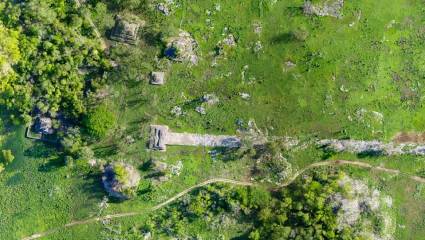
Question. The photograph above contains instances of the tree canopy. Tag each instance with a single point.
(60, 59)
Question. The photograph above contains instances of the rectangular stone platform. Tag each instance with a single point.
(161, 136)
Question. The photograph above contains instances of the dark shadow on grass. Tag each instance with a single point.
(371, 154)
(153, 39)
(93, 186)
(40, 150)
(226, 154)
(244, 236)
(52, 164)
(106, 151)
(283, 38)
(15, 180)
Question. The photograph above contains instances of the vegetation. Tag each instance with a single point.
(302, 211)
(7, 156)
(269, 65)
(56, 45)
(99, 121)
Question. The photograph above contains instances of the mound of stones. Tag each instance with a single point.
(182, 48)
(373, 148)
(120, 180)
(332, 8)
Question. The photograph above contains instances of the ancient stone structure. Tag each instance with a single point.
(44, 125)
(182, 48)
(125, 30)
(119, 186)
(161, 137)
(158, 137)
(373, 148)
(157, 78)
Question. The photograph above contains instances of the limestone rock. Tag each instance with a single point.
(201, 110)
(210, 99)
(332, 8)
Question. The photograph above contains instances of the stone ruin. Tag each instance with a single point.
(182, 48)
(44, 125)
(160, 137)
(126, 29)
(332, 8)
(157, 78)
(116, 187)
(371, 148)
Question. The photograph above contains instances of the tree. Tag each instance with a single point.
(99, 121)
(7, 156)
(9, 46)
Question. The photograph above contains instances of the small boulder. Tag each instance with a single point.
(177, 111)
(210, 99)
(201, 110)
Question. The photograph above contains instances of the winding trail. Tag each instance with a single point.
(334, 163)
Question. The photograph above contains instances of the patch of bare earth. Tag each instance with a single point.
(409, 137)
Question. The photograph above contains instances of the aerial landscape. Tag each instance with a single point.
(221, 119)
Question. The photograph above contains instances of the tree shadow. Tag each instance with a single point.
(372, 153)
(15, 180)
(226, 154)
(52, 164)
(106, 151)
(153, 39)
(39, 150)
(93, 186)
(283, 38)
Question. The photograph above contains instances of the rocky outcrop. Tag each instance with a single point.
(332, 8)
(373, 148)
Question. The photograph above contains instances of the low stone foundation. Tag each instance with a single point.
(161, 137)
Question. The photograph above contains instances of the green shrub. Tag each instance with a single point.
(7, 156)
(99, 121)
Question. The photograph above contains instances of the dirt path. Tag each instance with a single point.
(229, 181)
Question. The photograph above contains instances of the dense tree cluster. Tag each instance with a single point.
(59, 59)
(300, 211)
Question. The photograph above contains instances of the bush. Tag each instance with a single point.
(99, 121)
(7, 156)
